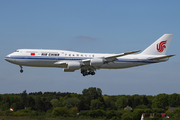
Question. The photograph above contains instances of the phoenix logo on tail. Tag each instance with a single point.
(161, 46)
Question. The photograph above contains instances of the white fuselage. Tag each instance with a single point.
(47, 58)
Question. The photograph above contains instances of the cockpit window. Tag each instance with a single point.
(17, 51)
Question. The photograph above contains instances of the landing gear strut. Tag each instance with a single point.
(21, 69)
(87, 72)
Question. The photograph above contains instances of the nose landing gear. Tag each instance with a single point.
(21, 71)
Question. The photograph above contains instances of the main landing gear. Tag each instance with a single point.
(21, 69)
(87, 72)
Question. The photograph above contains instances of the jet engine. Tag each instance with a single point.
(97, 62)
(74, 65)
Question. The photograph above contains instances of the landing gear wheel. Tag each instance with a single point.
(92, 73)
(87, 72)
(21, 69)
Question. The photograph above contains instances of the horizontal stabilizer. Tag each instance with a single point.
(158, 58)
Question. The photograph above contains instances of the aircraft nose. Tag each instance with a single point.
(7, 58)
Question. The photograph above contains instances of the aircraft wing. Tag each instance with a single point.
(95, 63)
(120, 55)
(158, 58)
(111, 58)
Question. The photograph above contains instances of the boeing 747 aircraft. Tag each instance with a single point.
(88, 63)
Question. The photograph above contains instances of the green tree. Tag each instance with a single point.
(101, 99)
(54, 102)
(91, 93)
(145, 100)
(42, 104)
(96, 104)
(141, 107)
(159, 110)
(39, 104)
(5, 106)
(1, 98)
(71, 102)
(136, 102)
(96, 113)
(6, 99)
(83, 105)
(160, 101)
(137, 114)
(61, 111)
(110, 114)
(174, 100)
(130, 102)
(126, 116)
(30, 102)
(121, 102)
(176, 111)
(73, 111)
(24, 94)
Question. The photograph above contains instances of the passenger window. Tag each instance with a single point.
(77, 55)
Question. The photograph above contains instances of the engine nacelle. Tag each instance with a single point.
(96, 62)
(74, 65)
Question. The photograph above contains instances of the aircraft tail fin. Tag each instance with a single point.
(160, 46)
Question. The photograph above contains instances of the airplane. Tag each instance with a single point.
(88, 63)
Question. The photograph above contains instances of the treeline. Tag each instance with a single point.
(90, 104)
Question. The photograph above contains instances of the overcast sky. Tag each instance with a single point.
(98, 26)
